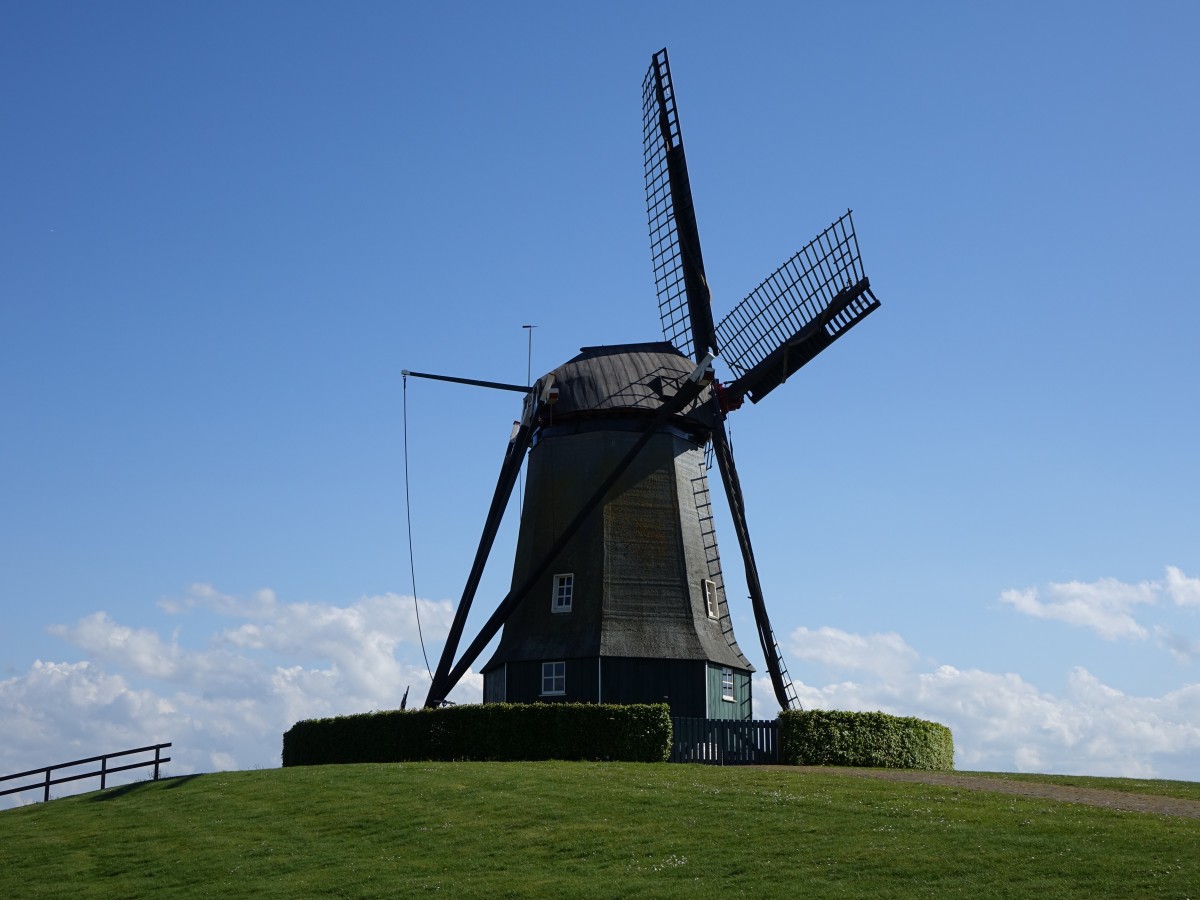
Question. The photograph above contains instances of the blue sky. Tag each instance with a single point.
(227, 228)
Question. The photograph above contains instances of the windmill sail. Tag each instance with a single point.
(808, 303)
(684, 302)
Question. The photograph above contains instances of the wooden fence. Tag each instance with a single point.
(45, 780)
(725, 742)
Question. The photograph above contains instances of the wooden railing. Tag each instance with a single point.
(45, 781)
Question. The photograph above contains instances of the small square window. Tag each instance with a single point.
(554, 678)
(564, 589)
(727, 685)
(709, 590)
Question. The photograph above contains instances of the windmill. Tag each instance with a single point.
(617, 594)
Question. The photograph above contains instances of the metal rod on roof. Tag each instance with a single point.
(529, 353)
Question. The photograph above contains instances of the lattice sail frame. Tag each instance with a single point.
(683, 296)
(664, 236)
(814, 297)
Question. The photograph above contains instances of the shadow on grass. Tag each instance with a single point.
(116, 792)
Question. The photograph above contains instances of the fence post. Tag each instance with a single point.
(46, 796)
(103, 770)
(157, 753)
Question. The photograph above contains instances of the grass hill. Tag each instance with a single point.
(587, 830)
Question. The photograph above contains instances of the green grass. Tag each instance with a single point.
(582, 830)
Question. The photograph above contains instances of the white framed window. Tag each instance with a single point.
(709, 590)
(554, 678)
(564, 591)
(727, 685)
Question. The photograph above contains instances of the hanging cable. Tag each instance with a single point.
(412, 569)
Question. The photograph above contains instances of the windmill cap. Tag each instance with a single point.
(620, 379)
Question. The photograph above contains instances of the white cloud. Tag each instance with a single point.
(227, 704)
(143, 654)
(205, 596)
(1103, 606)
(69, 710)
(879, 654)
(1182, 590)
(1106, 606)
(361, 640)
(1000, 721)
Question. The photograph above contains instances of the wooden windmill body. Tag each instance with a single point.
(632, 609)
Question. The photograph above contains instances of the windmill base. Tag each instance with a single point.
(694, 688)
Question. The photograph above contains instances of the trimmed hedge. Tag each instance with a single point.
(819, 737)
(491, 731)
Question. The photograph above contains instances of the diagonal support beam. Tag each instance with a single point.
(513, 458)
(688, 391)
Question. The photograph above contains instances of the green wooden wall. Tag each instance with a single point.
(740, 706)
(691, 687)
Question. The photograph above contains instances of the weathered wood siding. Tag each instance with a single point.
(524, 682)
(691, 687)
(678, 682)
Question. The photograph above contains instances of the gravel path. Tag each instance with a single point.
(1149, 803)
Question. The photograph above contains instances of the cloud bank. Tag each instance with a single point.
(1002, 722)
(256, 665)
(1106, 606)
(226, 703)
